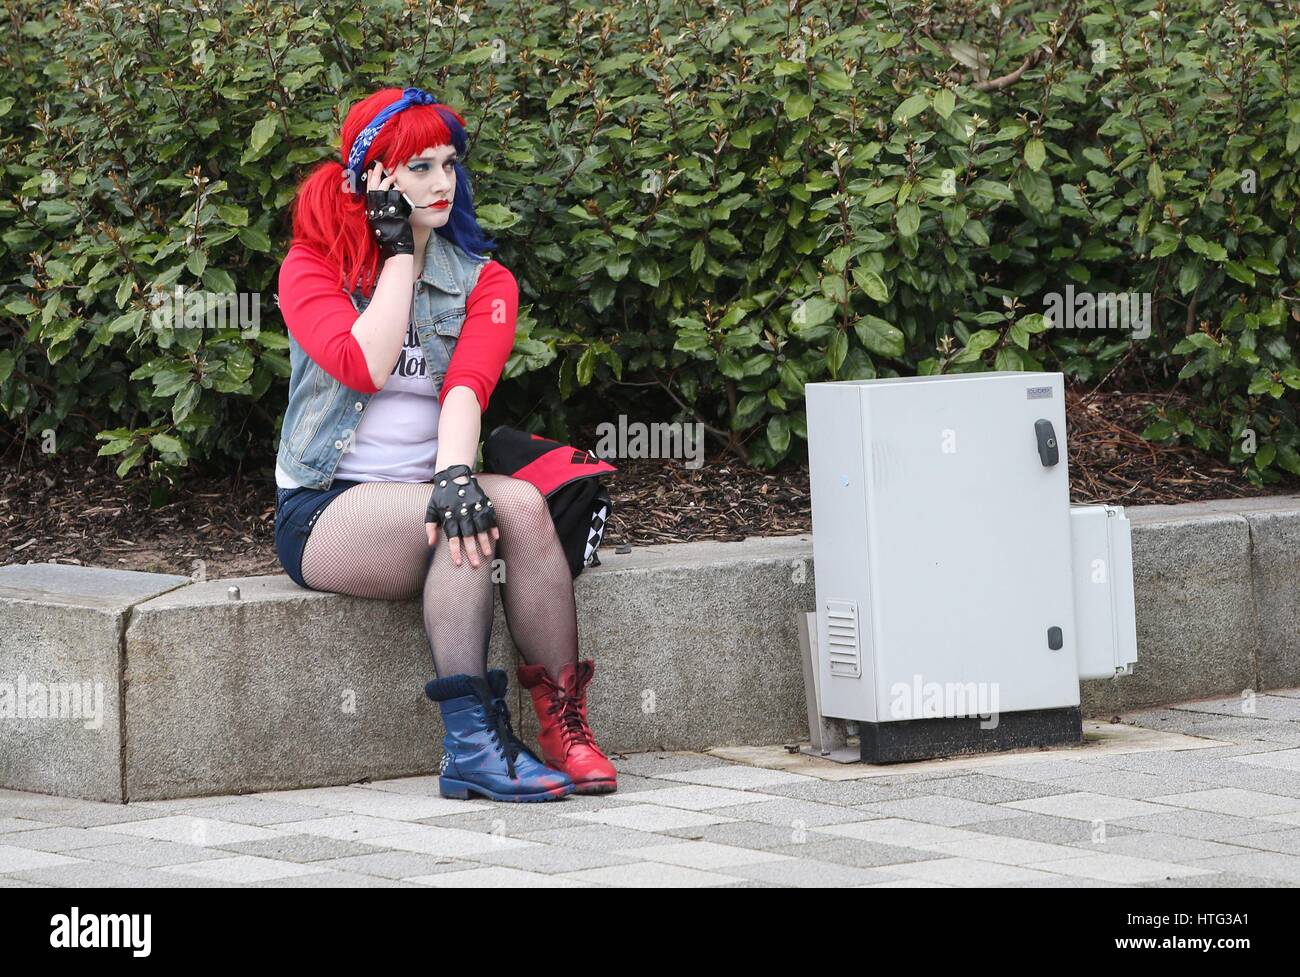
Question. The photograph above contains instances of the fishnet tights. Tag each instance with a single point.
(370, 542)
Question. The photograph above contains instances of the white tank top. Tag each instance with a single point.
(397, 439)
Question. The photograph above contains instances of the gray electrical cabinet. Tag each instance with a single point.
(955, 612)
(1103, 591)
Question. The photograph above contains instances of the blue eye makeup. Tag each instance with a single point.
(423, 167)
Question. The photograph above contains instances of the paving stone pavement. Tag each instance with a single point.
(1195, 795)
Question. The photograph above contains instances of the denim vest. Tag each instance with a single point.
(323, 414)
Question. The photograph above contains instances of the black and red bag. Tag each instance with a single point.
(567, 477)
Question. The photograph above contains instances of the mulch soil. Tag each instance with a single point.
(71, 507)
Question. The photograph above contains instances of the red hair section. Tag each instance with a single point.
(332, 221)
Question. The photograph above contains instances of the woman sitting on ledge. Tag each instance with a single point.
(399, 327)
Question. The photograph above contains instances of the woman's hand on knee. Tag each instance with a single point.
(484, 541)
(463, 511)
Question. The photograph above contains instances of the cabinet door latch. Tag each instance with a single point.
(1048, 452)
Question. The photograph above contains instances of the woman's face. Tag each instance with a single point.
(429, 182)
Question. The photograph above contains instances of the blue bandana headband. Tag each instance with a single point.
(361, 145)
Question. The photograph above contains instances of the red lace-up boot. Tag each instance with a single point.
(565, 738)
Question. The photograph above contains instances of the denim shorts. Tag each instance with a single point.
(296, 511)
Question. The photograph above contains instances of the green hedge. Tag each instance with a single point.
(715, 202)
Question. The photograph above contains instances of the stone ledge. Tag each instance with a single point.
(67, 624)
(695, 643)
(221, 696)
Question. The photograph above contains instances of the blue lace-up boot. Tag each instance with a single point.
(481, 754)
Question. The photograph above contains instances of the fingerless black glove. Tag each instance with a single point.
(387, 212)
(461, 510)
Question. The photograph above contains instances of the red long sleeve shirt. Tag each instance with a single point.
(320, 316)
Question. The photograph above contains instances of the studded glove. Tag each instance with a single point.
(461, 510)
(387, 212)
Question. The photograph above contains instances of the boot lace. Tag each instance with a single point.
(572, 727)
(508, 746)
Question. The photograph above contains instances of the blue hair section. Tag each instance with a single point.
(463, 229)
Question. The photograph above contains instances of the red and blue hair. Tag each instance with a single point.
(333, 221)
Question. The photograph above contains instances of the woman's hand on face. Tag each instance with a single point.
(379, 179)
(388, 213)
